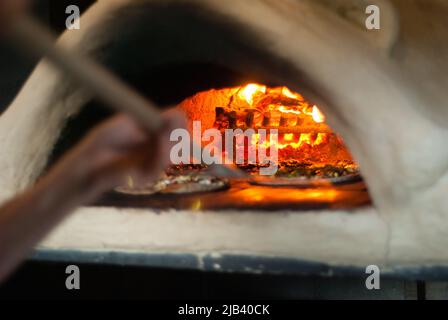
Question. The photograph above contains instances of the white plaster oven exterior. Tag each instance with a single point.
(388, 100)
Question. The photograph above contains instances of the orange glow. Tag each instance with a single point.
(321, 194)
(197, 205)
(320, 138)
(303, 135)
(288, 140)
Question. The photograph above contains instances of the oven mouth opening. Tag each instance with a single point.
(314, 167)
(316, 170)
(247, 123)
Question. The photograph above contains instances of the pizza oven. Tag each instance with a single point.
(350, 189)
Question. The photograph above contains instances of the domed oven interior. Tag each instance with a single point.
(223, 80)
(313, 167)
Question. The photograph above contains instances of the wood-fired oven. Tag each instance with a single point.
(360, 129)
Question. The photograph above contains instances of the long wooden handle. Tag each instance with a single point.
(36, 39)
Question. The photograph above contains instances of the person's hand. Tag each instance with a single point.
(120, 148)
(115, 149)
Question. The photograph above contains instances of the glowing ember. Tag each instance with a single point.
(283, 109)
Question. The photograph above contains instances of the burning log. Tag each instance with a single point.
(266, 119)
(232, 119)
(250, 118)
(283, 121)
(287, 124)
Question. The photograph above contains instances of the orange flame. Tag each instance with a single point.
(250, 90)
(288, 93)
(318, 116)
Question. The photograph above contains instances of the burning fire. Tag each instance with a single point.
(303, 135)
(284, 115)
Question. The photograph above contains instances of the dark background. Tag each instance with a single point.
(45, 280)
